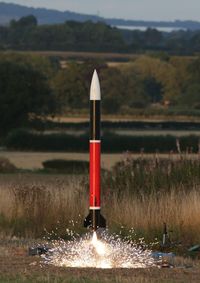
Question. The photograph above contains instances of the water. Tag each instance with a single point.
(143, 28)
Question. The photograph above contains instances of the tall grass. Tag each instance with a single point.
(147, 176)
(146, 193)
(137, 194)
(146, 215)
(30, 206)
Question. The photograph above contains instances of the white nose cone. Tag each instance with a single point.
(95, 92)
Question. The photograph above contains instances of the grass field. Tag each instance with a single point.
(18, 267)
(140, 196)
(161, 190)
(83, 55)
(83, 117)
(33, 160)
(131, 132)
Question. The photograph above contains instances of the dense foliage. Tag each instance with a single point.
(24, 94)
(25, 140)
(66, 166)
(26, 34)
(152, 176)
(33, 86)
(146, 82)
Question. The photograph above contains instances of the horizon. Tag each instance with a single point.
(115, 9)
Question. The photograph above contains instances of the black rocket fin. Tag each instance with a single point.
(88, 221)
(102, 222)
(95, 220)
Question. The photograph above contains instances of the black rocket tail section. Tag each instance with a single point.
(94, 220)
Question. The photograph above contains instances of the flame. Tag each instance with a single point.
(100, 247)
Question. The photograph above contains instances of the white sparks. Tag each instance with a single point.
(106, 252)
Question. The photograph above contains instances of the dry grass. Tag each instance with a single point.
(83, 116)
(179, 210)
(81, 55)
(33, 160)
(31, 203)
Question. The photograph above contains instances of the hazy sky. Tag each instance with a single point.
(128, 9)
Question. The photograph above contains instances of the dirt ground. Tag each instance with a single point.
(16, 264)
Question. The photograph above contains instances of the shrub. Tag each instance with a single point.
(152, 176)
(67, 166)
(6, 166)
(27, 140)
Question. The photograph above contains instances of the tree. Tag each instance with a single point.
(112, 85)
(135, 95)
(153, 37)
(71, 85)
(153, 89)
(24, 22)
(24, 95)
(163, 73)
(191, 97)
(70, 88)
(191, 93)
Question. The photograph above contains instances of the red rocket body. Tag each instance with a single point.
(94, 219)
(95, 167)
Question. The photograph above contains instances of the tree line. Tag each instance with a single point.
(26, 34)
(33, 87)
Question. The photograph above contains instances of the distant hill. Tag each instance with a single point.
(46, 16)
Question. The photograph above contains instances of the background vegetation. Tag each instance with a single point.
(26, 34)
(32, 87)
(137, 194)
(161, 190)
(112, 143)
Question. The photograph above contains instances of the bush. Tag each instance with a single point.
(110, 125)
(6, 166)
(26, 140)
(21, 139)
(69, 166)
(152, 176)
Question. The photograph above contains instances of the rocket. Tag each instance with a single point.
(95, 220)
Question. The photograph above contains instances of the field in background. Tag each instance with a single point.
(83, 55)
(139, 194)
(31, 203)
(33, 160)
(129, 132)
(84, 117)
